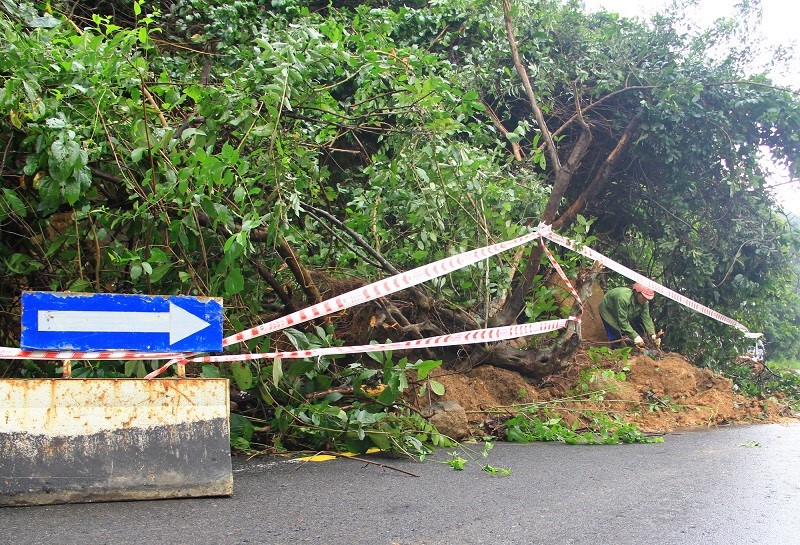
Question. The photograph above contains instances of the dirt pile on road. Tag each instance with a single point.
(658, 395)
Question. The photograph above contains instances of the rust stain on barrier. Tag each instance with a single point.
(179, 392)
(80, 440)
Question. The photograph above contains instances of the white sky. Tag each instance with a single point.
(780, 26)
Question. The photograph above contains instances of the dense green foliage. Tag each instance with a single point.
(200, 147)
(604, 430)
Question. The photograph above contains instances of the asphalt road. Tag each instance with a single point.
(737, 485)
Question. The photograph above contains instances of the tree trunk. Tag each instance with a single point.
(520, 289)
(548, 360)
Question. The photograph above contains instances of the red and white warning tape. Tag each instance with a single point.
(561, 273)
(476, 336)
(492, 334)
(633, 275)
(21, 354)
(382, 288)
(386, 287)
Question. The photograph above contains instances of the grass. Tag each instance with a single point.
(784, 364)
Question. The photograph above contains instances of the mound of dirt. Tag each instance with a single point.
(658, 395)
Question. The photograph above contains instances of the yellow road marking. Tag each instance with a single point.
(327, 457)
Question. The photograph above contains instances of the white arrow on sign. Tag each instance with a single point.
(177, 322)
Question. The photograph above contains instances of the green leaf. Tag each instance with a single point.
(45, 21)
(380, 440)
(297, 338)
(159, 271)
(137, 153)
(389, 394)
(277, 371)
(234, 282)
(457, 462)
(65, 155)
(239, 443)
(72, 192)
(190, 132)
(13, 202)
(55, 123)
(425, 367)
(242, 375)
(80, 286)
(358, 446)
(301, 367)
(241, 427)
(750, 444)
(135, 368)
(209, 371)
(437, 388)
(496, 470)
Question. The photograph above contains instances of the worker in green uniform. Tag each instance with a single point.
(621, 308)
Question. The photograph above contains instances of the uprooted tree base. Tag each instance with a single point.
(412, 314)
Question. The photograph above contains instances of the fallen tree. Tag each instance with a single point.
(355, 142)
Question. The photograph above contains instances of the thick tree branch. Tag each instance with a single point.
(300, 273)
(526, 83)
(274, 284)
(548, 360)
(563, 177)
(354, 235)
(601, 177)
(515, 149)
(516, 300)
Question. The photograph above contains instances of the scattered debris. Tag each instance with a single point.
(657, 396)
(750, 444)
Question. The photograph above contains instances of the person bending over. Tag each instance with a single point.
(622, 308)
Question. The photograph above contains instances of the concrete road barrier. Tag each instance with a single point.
(87, 440)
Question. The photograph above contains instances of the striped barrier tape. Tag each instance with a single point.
(561, 273)
(633, 275)
(384, 287)
(22, 354)
(476, 336)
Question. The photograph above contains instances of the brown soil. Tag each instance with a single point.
(658, 395)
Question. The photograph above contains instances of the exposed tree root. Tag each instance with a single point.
(544, 361)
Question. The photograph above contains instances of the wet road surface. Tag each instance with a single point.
(738, 485)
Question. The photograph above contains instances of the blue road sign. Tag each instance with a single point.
(106, 321)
